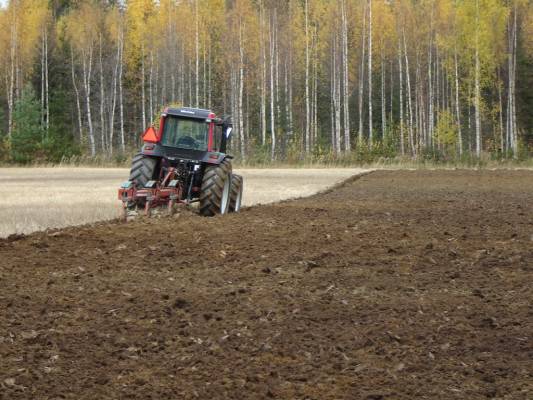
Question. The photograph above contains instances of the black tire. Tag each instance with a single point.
(215, 191)
(143, 169)
(237, 185)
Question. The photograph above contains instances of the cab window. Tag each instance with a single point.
(185, 133)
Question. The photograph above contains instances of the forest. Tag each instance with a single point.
(320, 80)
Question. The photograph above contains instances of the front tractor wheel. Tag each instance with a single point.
(216, 189)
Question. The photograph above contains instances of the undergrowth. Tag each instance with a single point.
(379, 157)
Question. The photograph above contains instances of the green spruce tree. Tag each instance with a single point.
(28, 134)
(4, 152)
(59, 141)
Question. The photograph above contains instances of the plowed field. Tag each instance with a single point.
(396, 285)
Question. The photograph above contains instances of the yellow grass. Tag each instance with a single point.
(35, 199)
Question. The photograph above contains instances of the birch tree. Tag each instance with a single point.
(481, 24)
(83, 38)
(446, 75)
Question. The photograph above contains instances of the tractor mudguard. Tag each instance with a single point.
(153, 150)
(214, 158)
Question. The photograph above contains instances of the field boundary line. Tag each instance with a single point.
(345, 182)
(327, 190)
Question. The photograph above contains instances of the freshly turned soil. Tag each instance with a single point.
(395, 285)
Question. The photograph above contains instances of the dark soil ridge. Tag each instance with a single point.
(394, 285)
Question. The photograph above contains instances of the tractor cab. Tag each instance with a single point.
(188, 133)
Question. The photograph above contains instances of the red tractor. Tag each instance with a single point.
(184, 161)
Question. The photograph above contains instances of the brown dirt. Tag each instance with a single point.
(398, 285)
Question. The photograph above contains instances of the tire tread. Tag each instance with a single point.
(237, 183)
(142, 169)
(213, 187)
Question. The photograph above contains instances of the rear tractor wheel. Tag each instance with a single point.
(143, 169)
(237, 184)
(216, 189)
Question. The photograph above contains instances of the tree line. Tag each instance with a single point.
(302, 79)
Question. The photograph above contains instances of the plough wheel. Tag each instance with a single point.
(236, 193)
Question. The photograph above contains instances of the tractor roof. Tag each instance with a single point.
(187, 112)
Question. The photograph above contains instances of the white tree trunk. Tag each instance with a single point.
(78, 103)
(263, 74)
(190, 80)
(102, 97)
(307, 105)
(197, 49)
(272, 95)
(402, 122)
(362, 78)
(42, 79)
(331, 103)
(209, 88)
(46, 84)
(409, 98)
(334, 98)
(87, 73)
(120, 90)
(143, 96)
(391, 94)
(151, 89)
(508, 123)
(113, 100)
(276, 63)
(289, 101)
(370, 118)
(500, 110)
(383, 106)
(477, 106)
(457, 105)
(241, 90)
(286, 101)
(11, 90)
(469, 116)
(429, 128)
(431, 99)
(513, 86)
(204, 76)
(346, 92)
(314, 94)
(477, 94)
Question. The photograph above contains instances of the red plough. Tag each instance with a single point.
(164, 193)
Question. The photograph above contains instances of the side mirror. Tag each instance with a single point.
(228, 132)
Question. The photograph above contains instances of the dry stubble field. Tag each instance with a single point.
(34, 199)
